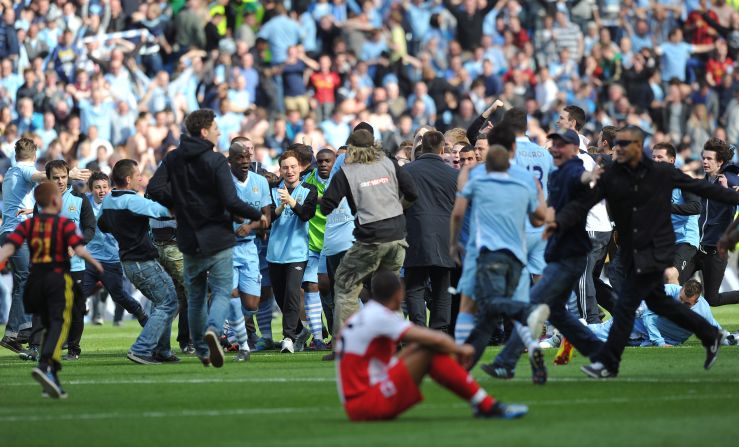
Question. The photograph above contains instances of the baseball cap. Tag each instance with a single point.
(569, 136)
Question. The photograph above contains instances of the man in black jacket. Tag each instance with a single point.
(638, 193)
(714, 218)
(427, 225)
(196, 182)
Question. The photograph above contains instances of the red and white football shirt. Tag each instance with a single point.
(365, 349)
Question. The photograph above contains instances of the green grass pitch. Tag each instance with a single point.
(663, 397)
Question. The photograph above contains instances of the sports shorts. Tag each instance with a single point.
(387, 399)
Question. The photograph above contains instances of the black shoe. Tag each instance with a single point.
(71, 356)
(597, 370)
(538, 369)
(712, 349)
(216, 352)
(330, 357)
(143, 359)
(166, 359)
(187, 349)
(205, 361)
(503, 411)
(11, 343)
(497, 372)
(29, 354)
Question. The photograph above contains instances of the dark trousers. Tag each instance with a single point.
(712, 267)
(416, 279)
(456, 298)
(498, 274)
(684, 261)
(650, 288)
(286, 282)
(112, 279)
(78, 314)
(585, 290)
(332, 264)
(49, 295)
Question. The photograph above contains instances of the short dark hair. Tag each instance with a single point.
(608, 133)
(326, 150)
(503, 135)
(198, 120)
(288, 154)
(25, 148)
(576, 113)
(634, 130)
(668, 147)
(692, 287)
(497, 159)
(304, 153)
(432, 141)
(385, 284)
(122, 169)
(96, 177)
(516, 119)
(467, 148)
(44, 192)
(56, 164)
(723, 152)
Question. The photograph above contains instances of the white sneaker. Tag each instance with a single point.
(537, 318)
(287, 346)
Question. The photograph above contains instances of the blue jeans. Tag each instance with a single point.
(554, 288)
(199, 273)
(19, 263)
(152, 281)
(498, 275)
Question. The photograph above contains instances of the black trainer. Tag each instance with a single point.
(166, 359)
(597, 370)
(143, 359)
(712, 349)
(497, 371)
(29, 354)
(11, 343)
(71, 356)
(538, 369)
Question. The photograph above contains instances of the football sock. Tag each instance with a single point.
(526, 337)
(313, 310)
(445, 371)
(264, 319)
(237, 325)
(465, 324)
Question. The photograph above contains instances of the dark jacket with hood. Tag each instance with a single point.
(196, 183)
(717, 216)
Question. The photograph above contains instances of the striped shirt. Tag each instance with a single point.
(48, 237)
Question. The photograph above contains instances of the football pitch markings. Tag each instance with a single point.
(35, 417)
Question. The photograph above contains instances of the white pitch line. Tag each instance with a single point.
(178, 381)
(323, 410)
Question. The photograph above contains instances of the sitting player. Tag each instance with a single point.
(48, 293)
(375, 384)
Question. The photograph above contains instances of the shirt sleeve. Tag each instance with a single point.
(149, 208)
(20, 234)
(27, 173)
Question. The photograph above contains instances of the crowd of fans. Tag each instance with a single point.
(94, 81)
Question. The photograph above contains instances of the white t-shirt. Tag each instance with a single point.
(598, 219)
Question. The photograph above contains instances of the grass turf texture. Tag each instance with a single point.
(662, 397)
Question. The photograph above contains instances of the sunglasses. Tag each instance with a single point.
(623, 143)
